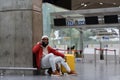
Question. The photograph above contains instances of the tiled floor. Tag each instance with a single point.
(86, 71)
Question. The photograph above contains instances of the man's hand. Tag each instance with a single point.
(65, 58)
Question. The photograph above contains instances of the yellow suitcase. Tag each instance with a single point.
(70, 59)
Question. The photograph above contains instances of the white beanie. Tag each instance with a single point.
(45, 36)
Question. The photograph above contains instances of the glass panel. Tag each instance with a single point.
(65, 38)
(101, 38)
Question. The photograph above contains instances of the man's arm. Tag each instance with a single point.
(55, 52)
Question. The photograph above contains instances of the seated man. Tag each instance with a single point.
(47, 57)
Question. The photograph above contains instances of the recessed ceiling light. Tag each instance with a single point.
(82, 4)
(114, 3)
(101, 3)
(85, 5)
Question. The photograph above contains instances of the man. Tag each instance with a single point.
(47, 57)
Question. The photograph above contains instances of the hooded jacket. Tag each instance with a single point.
(38, 51)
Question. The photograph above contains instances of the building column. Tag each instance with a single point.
(20, 28)
(37, 27)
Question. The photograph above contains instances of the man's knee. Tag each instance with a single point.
(61, 59)
(51, 54)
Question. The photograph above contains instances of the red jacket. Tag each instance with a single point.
(38, 51)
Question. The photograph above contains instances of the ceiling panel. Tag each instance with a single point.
(88, 4)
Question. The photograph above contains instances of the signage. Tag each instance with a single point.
(73, 22)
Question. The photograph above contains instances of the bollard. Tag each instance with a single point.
(95, 55)
(115, 57)
(101, 54)
(106, 55)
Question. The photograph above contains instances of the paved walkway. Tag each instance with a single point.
(86, 71)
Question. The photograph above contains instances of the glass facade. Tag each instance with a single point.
(71, 38)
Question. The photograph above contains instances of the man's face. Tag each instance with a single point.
(45, 42)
